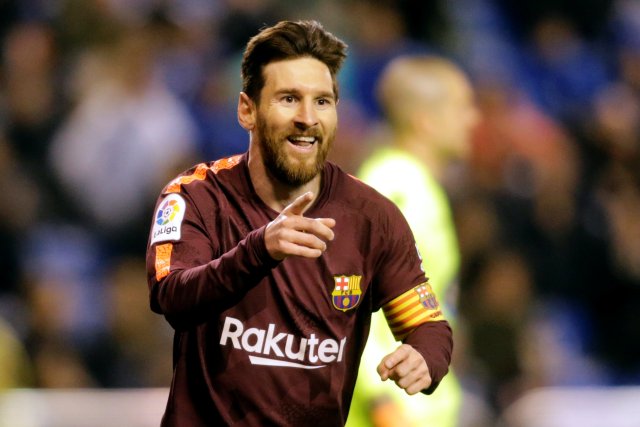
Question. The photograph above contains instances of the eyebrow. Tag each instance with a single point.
(293, 91)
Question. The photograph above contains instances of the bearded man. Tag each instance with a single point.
(269, 264)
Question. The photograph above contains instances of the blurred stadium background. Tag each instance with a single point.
(102, 101)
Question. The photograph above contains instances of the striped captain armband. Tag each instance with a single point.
(412, 309)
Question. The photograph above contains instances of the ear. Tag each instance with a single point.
(246, 112)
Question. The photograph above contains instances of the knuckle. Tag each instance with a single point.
(404, 383)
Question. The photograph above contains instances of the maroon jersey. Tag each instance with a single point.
(264, 342)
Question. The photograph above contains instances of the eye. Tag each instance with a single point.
(323, 102)
(288, 99)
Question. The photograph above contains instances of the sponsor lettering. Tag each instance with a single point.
(297, 352)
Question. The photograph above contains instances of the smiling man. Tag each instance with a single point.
(269, 264)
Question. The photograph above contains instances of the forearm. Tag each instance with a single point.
(433, 340)
(188, 296)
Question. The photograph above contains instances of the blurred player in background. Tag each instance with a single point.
(429, 106)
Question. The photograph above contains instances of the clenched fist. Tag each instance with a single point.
(407, 368)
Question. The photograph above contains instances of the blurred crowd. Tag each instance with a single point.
(103, 101)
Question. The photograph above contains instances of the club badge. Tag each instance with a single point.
(427, 296)
(347, 293)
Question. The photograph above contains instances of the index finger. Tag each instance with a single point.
(299, 205)
(391, 360)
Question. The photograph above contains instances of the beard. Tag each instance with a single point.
(287, 169)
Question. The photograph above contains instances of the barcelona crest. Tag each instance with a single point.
(347, 293)
(427, 297)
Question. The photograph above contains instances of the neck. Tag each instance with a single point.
(273, 192)
(425, 153)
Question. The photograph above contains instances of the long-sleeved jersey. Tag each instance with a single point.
(264, 342)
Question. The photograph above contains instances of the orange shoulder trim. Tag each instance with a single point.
(163, 260)
(200, 173)
(227, 163)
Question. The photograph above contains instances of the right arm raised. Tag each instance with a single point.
(187, 280)
(187, 284)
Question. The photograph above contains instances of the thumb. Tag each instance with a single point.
(299, 205)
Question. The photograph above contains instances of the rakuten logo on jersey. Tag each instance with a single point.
(284, 349)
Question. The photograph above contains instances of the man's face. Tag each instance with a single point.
(458, 116)
(296, 119)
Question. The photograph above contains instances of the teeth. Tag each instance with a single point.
(308, 139)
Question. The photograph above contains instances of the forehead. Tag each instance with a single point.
(303, 74)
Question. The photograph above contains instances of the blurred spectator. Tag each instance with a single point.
(615, 190)
(139, 132)
(15, 366)
(377, 33)
(66, 295)
(215, 113)
(242, 20)
(496, 312)
(524, 225)
(16, 189)
(34, 106)
(138, 355)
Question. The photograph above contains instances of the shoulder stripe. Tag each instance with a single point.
(200, 173)
(163, 260)
(227, 163)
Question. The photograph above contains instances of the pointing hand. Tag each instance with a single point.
(291, 233)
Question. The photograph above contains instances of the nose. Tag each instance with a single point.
(306, 116)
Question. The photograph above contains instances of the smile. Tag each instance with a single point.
(303, 143)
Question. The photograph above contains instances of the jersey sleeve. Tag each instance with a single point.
(187, 280)
(408, 301)
(426, 209)
(401, 287)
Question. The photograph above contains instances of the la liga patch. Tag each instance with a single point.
(168, 219)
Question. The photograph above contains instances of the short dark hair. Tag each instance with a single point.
(289, 40)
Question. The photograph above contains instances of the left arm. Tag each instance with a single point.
(414, 315)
